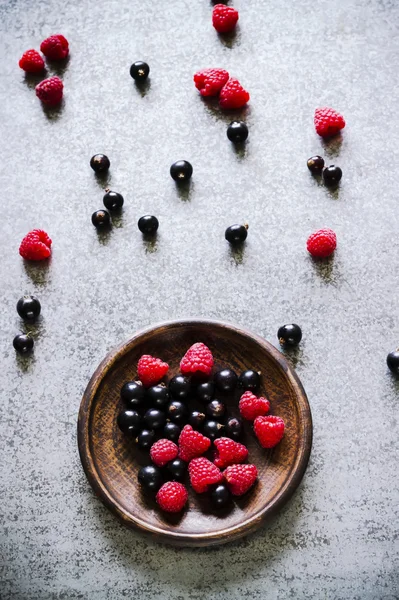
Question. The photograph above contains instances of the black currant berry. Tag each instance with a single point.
(233, 428)
(225, 380)
(28, 308)
(150, 478)
(146, 438)
(249, 381)
(133, 394)
(23, 343)
(177, 412)
(101, 219)
(212, 429)
(236, 234)
(129, 422)
(289, 335)
(179, 387)
(154, 418)
(100, 163)
(220, 496)
(332, 175)
(139, 71)
(176, 469)
(315, 165)
(171, 431)
(158, 396)
(205, 391)
(215, 409)
(393, 361)
(113, 200)
(196, 419)
(181, 171)
(148, 224)
(237, 131)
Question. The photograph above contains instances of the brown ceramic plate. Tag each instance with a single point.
(111, 462)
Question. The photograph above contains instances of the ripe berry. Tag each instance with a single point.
(176, 469)
(150, 478)
(151, 370)
(139, 71)
(220, 496)
(181, 171)
(31, 62)
(332, 175)
(177, 412)
(269, 430)
(393, 361)
(249, 380)
(233, 428)
(236, 234)
(225, 380)
(145, 439)
(237, 131)
(212, 429)
(205, 391)
(172, 497)
(240, 478)
(197, 361)
(154, 418)
(23, 343)
(55, 47)
(328, 122)
(28, 308)
(315, 164)
(171, 431)
(101, 219)
(216, 409)
(133, 394)
(233, 95)
(50, 91)
(322, 243)
(36, 246)
(163, 451)
(113, 200)
(228, 452)
(148, 224)
(251, 407)
(196, 419)
(158, 396)
(129, 422)
(289, 335)
(203, 473)
(179, 387)
(192, 443)
(209, 82)
(100, 163)
(224, 18)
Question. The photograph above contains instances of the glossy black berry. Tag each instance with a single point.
(220, 496)
(100, 163)
(179, 387)
(23, 343)
(133, 394)
(289, 335)
(332, 175)
(154, 418)
(139, 71)
(205, 391)
(113, 200)
(236, 234)
(177, 412)
(146, 438)
(249, 381)
(148, 225)
(237, 131)
(28, 308)
(181, 171)
(158, 396)
(393, 362)
(316, 165)
(196, 419)
(129, 422)
(212, 429)
(225, 380)
(176, 469)
(150, 478)
(171, 431)
(233, 428)
(101, 219)
(215, 409)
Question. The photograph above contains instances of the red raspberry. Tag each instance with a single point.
(322, 243)
(269, 430)
(192, 443)
(240, 478)
(151, 370)
(49, 91)
(36, 245)
(203, 473)
(251, 407)
(198, 358)
(172, 497)
(209, 82)
(224, 18)
(228, 452)
(328, 122)
(55, 47)
(163, 451)
(31, 62)
(233, 95)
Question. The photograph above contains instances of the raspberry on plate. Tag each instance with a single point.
(322, 243)
(163, 451)
(31, 62)
(172, 497)
(224, 18)
(209, 82)
(36, 245)
(203, 473)
(50, 91)
(151, 370)
(240, 478)
(192, 443)
(251, 407)
(269, 430)
(328, 122)
(233, 95)
(197, 359)
(55, 47)
(228, 452)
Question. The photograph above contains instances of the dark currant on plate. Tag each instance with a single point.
(113, 200)
(181, 171)
(28, 308)
(100, 163)
(139, 71)
(233, 428)
(220, 496)
(154, 418)
(393, 361)
(289, 335)
(171, 431)
(212, 429)
(133, 394)
(237, 132)
(205, 392)
(23, 343)
(196, 419)
(216, 409)
(150, 478)
(145, 439)
(225, 380)
(249, 380)
(179, 387)
(176, 469)
(101, 219)
(158, 396)
(129, 422)
(236, 234)
(316, 164)
(148, 224)
(177, 412)
(332, 175)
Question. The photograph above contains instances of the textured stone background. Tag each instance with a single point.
(338, 537)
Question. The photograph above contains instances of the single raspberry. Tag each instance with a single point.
(322, 243)
(240, 478)
(198, 358)
(163, 451)
(36, 245)
(151, 370)
(192, 443)
(224, 18)
(209, 82)
(269, 430)
(172, 497)
(251, 407)
(233, 95)
(49, 91)
(31, 62)
(328, 122)
(228, 452)
(203, 473)
(55, 47)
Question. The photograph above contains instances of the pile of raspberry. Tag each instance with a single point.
(157, 417)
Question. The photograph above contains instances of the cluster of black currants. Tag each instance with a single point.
(28, 308)
(331, 175)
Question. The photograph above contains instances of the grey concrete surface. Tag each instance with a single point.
(338, 536)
